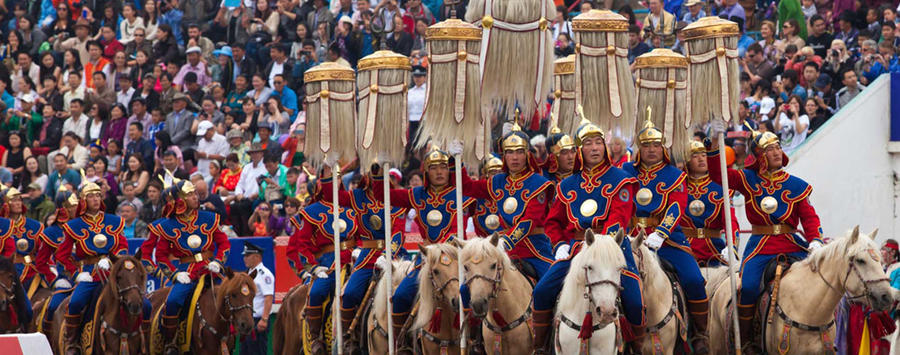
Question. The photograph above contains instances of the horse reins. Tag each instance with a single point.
(852, 267)
(495, 290)
(443, 343)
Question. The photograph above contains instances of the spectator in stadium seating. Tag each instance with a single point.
(825, 97)
(135, 172)
(291, 207)
(757, 64)
(246, 191)
(264, 223)
(33, 174)
(273, 182)
(399, 40)
(134, 227)
(228, 178)
(100, 94)
(792, 124)
(170, 168)
(178, 123)
(152, 209)
(695, 11)
(847, 33)
(209, 202)
(840, 59)
(851, 88)
(61, 175)
(39, 206)
(773, 47)
(636, 46)
(817, 115)
(660, 22)
(211, 147)
(76, 155)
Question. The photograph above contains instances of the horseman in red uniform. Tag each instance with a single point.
(704, 222)
(485, 218)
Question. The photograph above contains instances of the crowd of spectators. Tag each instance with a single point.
(133, 94)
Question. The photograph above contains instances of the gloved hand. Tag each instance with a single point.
(320, 272)
(815, 245)
(654, 241)
(382, 263)
(304, 275)
(562, 252)
(717, 126)
(61, 284)
(182, 277)
(214, 267)
(104, 264)
(84, 277)
(726, 253)
(455, 147)
(355, 253)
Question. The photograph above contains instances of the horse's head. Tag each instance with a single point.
(236, 300)
(864, 276)
(128, 280)
(439, 277)
(599, 268)
(8, 284)
(484, 262)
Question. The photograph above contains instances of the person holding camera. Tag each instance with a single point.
(839, 59)
(792, 123)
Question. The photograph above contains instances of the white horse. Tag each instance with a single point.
(500, 296)
(658, 300)
(809, 293)
(438, 300)
(591, 286)
(715, 275)
(378, 319)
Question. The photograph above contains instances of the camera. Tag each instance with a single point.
(834, 53)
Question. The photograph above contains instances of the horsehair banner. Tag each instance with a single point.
(662, 85)
(331, 113)
(711, 49)
(563, 108)
(516, 52)
(382, 81)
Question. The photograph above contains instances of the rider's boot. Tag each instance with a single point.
(541, 321)
(398, 320)
(314, 320)
(640, 336)
(699, 311)
(71, 334)
(350, 342)
(170, 334)
(749, 342)
(145, 329)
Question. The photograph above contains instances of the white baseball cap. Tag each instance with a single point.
(203, 127)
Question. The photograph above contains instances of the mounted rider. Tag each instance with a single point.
(777, 203)
(598, 197)
(485, 218)
(66, 208)
(311, 253)
(659, 204)
(561, 161)
(436, 209)
(29, 234)
(704, 222)
(189, 245)
(94, 235)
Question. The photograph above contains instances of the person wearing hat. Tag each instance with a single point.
(222, 71)
(695, 11)
(485, 219)
(600, 200)
(179, 122)
(779, 204)
(89, 239)
(264, 131)
(262, 300)
(27, 119)
(660, 201)
(211, 146)
(79, 42)
(193, 65)
(246, 193)
(39, 205)
(27, 233)
(65, 208)
(415, 99)
(561, 160)
(237, 146)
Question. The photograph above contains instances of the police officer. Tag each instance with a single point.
(262, 301)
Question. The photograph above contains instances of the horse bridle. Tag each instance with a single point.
(852, 267)
(9, 290)
(495, 290)
(588, 287)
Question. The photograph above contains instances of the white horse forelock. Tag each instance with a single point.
(482, 247)
(603, 253)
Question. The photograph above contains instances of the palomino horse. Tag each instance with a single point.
(664, 316)
(120, 306)
(378, 320)
(13, 312)
(500, 296)
(230, 306)
(285, 332)
(438, 300)
(591, 287)
(808, 294)
(714, 276)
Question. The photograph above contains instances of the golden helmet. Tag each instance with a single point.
(558, 141)
(434, 157)
(764, 140)
(515, 139)
(649, 134)
(493, 164)
(90, 188)
(697, 147)
(586, 128)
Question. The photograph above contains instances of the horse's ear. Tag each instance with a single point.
(589, 237)
(620, 236)
(253, 274)
(424, 251)
(854, 235)
(639, 240)
(113, 258)
(495, 238)
(873, 234)
(229, 273)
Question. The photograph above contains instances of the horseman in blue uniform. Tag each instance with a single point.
(659, 203)
(436, 209)
(28, 234)
(188, 244)
(310, 253)
(704, 222)
(777, 203)
(597, 197)
(561, 161)
(94, 235)
(485, 218)
(66, 207)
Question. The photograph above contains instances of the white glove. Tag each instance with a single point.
(455, 147)
(355, 254)
(84, 277)
(320, 272)
(382, 263)
(654, 241)
(717, 126)
(182, 277)
(214, 267)
(104, 264)
(62, 283)
(563, 252)
(726, 254)
(814, 245)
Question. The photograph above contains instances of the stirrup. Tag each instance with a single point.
(699, 344)
(73, 349)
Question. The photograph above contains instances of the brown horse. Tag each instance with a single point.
(285, 332)
(13, 312)
(117, 327)
(230, 306)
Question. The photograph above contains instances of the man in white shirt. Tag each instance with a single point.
(77, 121)
(126, 91)
(212, 146)
(25, 66)
(76, 90)
(262, 300)
(415, 99)
(246, 193)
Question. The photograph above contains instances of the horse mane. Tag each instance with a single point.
(838, 248)
(401, 269)
(483, 247)
(426, 288)
(603, 251)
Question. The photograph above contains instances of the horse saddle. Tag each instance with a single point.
(527, 270)
(769, 273)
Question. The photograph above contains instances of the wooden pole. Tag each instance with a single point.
(460, 234)
(723, 165)
(388, 253)
(336, 229)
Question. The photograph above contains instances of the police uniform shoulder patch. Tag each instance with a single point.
(624, 195)
(268, 280)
